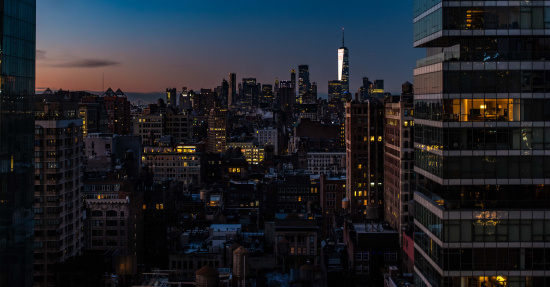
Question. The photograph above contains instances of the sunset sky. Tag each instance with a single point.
(148, 46)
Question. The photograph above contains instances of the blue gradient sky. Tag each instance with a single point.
(147, 46)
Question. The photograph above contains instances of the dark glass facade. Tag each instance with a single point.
(482, 135)
(303, 82)
(17, 74)
(343, 68)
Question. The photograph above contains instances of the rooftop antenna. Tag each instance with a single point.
(343, 36)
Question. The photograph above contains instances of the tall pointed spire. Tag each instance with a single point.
(343, 37)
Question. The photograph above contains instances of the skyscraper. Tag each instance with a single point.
(483, 216)
(335, 90)
(343, 66)
(17, 141)
(171, 97)
(185, 99)
(399, 177)
(364, 158)
(267, 95)
(303, 81)
(251, 92)
(232, 97)
(224, 93)
(293, 81)
(276, 86)
(58, 185)
(217, 130)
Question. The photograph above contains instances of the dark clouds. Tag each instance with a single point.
(87, 63)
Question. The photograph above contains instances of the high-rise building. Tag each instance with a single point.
(16, 141)
(276, 86)
(224, 93)
(399, 178)
(482, 218)
(377, 89)
(58, 177)
(335, 90)
(232, 97)
(118, 110)
(293, 81)
(285, 97)
(314, 90)
(364, 158)
(217, 130)
(185, 99)
(267, 94)
(343, 66)
(366, 88)
(171, 97)
(303, 81)
(251, 92)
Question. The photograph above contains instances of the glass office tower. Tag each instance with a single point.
(303, 82)
(482, 140)
(343, 66)
(17, 73)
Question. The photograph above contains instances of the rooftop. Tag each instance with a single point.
(372, 228)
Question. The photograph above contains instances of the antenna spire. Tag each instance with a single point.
(343, 37)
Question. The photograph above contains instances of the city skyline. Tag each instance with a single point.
(186, 41)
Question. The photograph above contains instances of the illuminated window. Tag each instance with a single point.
(379, 138)
(372, 138)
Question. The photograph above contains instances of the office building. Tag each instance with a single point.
(118, 110)
(156, 129)
(480, 140)
(58, 176)
(343, 66)
(310, 97)
(321, 162)
(333, 191)
(217, 130)
(268, 136)
(178, 163)
(251, 152)
(16, 142)
(370, 249)
(267, 95)
(115, 209)
(293, 81)
(400, 179)
(335, 90)
(285, 97)
(303, 81)
(364, 159)
(224, 93)
(185, 101)
(251, 92)
(232, 96)
(171, 98)
(276, 86)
